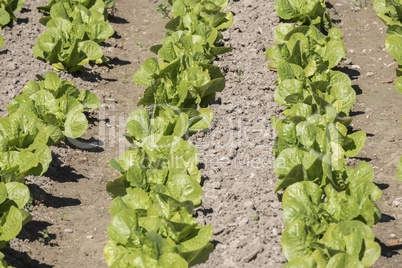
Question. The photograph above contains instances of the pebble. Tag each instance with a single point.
(369, 74)
(243, 222)
(90, 236)
(216, 185)
(68, 231)
(355, 66)
(396, 203)
(275, 232)
(248, 204)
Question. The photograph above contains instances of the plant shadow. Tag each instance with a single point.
(16, 258)
(62, 173)
(40, 196)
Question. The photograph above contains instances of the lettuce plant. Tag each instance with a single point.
(10, 6)
(389, 11)
(184, 83)
(7, 9)
(188, 15)
(166, 121)
(307, 47)
(56, 102)
(305, 12)
(24, 146)
(73, 37)
(167, 163)
(13, 197)
(99, 5)
(155, 230)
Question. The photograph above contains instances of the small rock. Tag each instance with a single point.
(369, 74)
(68, 231)
(243, 222)
(355, 66)
(253, 254)
(393, 242)
(351, 51)
(396, 203)
(275, 232)
(90, 236)
(248, 204)
(217, 185)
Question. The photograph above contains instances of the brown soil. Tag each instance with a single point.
(236, 155)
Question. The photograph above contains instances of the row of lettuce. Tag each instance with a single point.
(328, 207)
(7, 9)
(159, 184)
(391, 14)
(47, 112)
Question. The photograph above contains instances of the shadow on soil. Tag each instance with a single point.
(60, 173)
(382, 186)
(117, 20)
(355, 113)
(118, 62)
(204, 211)
(22, 21)
(352, 73)
(388, 251)
(42, 197)
(31, 230)
(357, 89)
(22, 259)
(386, 218)
(87, 145)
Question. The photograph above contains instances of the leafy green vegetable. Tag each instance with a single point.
(389, 11)
(7, 9)
(146, 226)
(23, 147)
(167, 121)
(183, 83)
(304, 12)
(167, 163)
(56, 102)
(343, 244)
(74, 34)
(307, 47)
(10, 6)
(13, 197)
